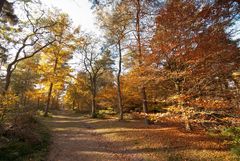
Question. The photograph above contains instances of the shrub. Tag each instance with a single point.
(27, 138)
(233, 134)
(103, 113)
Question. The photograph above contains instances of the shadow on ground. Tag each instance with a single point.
(80, 138)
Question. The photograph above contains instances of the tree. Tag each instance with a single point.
(192, 49)
(25, 43)
(95, 64)
(54, 68)
(78, 94)
(7, 11)
(142, 13)
(115, 24)
(24, 79)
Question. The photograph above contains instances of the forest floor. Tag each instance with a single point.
(80, 138)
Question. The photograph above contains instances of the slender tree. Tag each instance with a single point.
(95, 64)
(116, 23)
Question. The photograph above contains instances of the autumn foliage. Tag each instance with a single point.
(178, 57)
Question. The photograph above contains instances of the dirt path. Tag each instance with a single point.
(79, 138)
(74, 139)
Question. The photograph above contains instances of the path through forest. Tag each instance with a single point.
(74, 139)
(80, 138)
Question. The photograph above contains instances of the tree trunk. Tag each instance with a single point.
(50, 89)
(119, 83)
(138, 30)
(144, 96)
(94, 93)
(24, 101)
(48, 99)
(187, 124)
(185, 117)
(7, 79)
(78, 106)
(73, 104)
(53, 104)
(57, 103)
(181, 107)
(237, 93)
(93, 106)
(38, 103)
(1, 5)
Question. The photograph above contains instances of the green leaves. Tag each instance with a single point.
(233, 133)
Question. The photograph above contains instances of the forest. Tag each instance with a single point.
(158, 80)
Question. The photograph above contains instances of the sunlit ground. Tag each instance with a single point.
(81, 138)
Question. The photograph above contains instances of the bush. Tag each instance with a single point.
(100, 115)
(27, 139)
(157, 109)
(103, 113)
(233, 134)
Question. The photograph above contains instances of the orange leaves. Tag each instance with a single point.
(211, 103)
(107, 97)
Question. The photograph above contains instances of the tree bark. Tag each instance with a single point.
(38, 103)
(181, 107)
(57, 103)
(1, 5)
(78, 106)
(53, 104)
(94, 93)
(144, 97)
(138, 30)
(50, 89)
(119, 82)
(8, 79)
(48, 100)
(93, 105)
(73, 104)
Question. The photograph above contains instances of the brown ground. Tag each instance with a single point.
(79, 138)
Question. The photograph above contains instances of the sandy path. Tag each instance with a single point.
(74, 139)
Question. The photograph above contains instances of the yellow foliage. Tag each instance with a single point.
(9, 100)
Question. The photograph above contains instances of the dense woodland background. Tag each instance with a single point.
(157, 60)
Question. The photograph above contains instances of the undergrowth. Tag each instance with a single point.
(231, 135)
(24, 138)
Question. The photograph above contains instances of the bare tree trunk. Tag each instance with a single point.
(144, 96)
(94, 93)
(38, 103)
(93, 105)
(53, 104)
(119, 83)
(48, 99)
(50, 89)
(73, 104)
(236, 97)
(138, 30)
